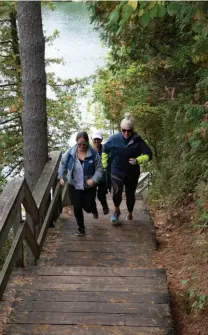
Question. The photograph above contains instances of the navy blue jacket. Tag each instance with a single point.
(120, 151)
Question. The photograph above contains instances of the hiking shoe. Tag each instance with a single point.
(95, 216)
(115, 216)
(129, 217)
(105, 209)
(80, 232)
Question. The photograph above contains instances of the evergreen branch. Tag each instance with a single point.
(6, 121)
(5, 85)
(13, 168)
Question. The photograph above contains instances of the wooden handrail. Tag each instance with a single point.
(40, 208)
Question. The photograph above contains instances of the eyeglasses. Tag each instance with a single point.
(82, 144)
(127, 130)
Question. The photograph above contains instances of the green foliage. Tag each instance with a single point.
(157, 70)
(194, 298)
(62, 107)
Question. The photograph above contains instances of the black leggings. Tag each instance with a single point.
(130, 182)
(82, 199)
(101, 193)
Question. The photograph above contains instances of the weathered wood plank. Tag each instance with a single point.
(49, 216)
(67, 258)
(11, 258)
(45, 182)
(10, 202)
(93, 271)
(97, 262)
(92, 288)
(30, 204)
(146, 309)
(122, 297)
(31, 241)
(89, 319)
(48, 329)
(99, 280)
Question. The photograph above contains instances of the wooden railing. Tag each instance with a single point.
(41, 208)
(143, 182)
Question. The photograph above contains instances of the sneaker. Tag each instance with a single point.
(105, 209)
(95, 216)
(80, 232)
(115, 216)
(129, 217)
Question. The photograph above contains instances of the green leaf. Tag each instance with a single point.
(191, 292)
(204, 32)
(153, 11)
(114, 17)
(120, 30)
(145, 19)
(172, 8)
(161, 11)
(197, 28)
(184, 282)
(202, 298)
(127, 12)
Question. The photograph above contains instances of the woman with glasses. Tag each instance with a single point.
(127, 151)
(84, 170)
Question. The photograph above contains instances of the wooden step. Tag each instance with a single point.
(89, 300)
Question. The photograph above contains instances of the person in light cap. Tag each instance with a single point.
(127, 151)
(97, 138)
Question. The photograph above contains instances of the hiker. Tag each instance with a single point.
(101, 187)
(84, 170)
(127, 151)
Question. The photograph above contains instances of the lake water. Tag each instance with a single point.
(78, 43)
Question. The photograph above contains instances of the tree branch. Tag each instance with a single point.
(13, 168)
(6, 121)
(5, 85)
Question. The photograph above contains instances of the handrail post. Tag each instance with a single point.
(16, 224)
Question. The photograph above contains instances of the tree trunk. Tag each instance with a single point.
(32, 54)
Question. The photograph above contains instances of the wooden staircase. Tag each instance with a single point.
(103, 283)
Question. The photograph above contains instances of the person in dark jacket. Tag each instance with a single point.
(84, 171)
(127, 151)
(101, 187)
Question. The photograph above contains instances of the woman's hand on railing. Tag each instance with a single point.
(61, 181)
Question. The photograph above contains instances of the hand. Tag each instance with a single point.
(133, 161)
(90, 182)
(61, 181)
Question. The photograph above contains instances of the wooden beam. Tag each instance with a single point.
(49, 215)
(143, 176)
(10, 202)
(30, 204)
(45, 182)
(31, 241)
(11, 258)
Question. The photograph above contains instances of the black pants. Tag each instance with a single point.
(101, 193)
(130, 182)
(82, 199)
